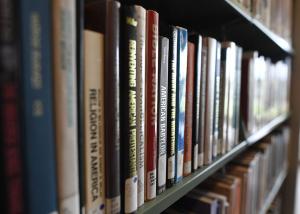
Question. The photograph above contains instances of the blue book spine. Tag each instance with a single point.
(38, 130)
(180, 99)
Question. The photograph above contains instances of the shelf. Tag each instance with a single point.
(224, 20)
(170, 196)
(274, 191)
(188, 183)
(267, 129)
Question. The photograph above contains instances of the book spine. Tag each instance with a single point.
(162, 114)
(11, 159)
(196, 103)
(94, 119)
(128, 109)
(38, 124)
(112, 107)
(231, 99)
(216, 118)
(188, 130)
(65, 104)
(140, 75)
(238, 93)
(210, 91)
(151, 102)
(222, 102)
(204, 56)
(80, 101)
(172, 87)
(180, 100)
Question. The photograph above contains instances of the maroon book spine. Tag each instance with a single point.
(151, 102)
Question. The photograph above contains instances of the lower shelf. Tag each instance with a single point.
(274, 191)
(170, 196)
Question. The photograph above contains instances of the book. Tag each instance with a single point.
(172, 90)
(80, 94)
(216, 143)
(188, 129)
(94, 122)
(65, 104)
(140, 75)
(209, 102)
(112, 106)
(162, 109)
(197, 39)
(12, 169)
(37, 112)
(151, 102)
(203, 91)
(180, 100)
(128, 109)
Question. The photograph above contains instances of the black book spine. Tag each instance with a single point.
(128, 110)
(162, 113)
(80, 102)
(112, 107)
(172, 87)
(197, 96)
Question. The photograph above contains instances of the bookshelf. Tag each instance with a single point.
(171, 195)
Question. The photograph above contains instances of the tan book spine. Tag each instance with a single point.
(94, 122)
(65, 96)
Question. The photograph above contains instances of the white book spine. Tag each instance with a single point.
(65, 95)
(140, 75)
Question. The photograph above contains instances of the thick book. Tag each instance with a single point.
(162, 118)
(12, 198)
(128, 102)
(182, 43)
(188, 129)
(65, 104)
(172, 87)
(140, 100)
(217, 107)
(197, 40)
(209, 102)
(204, 58)
(94, 121)
(112, 106)
(151, 102)
(38, 118)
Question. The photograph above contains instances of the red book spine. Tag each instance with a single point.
(187, 168)
(151, 102)
(11, 148)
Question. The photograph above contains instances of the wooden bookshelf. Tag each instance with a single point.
(188, 183)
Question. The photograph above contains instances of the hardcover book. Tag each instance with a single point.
(180, 100)
(197, 39)
(188, 130)
(151, 102)
(65, 104)
(172, 90)
(38, 125)
(128, 109)
(94, 122)
(203, 91)
(210, 92)
(12, 198)
(162, 113)
(140, 110)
